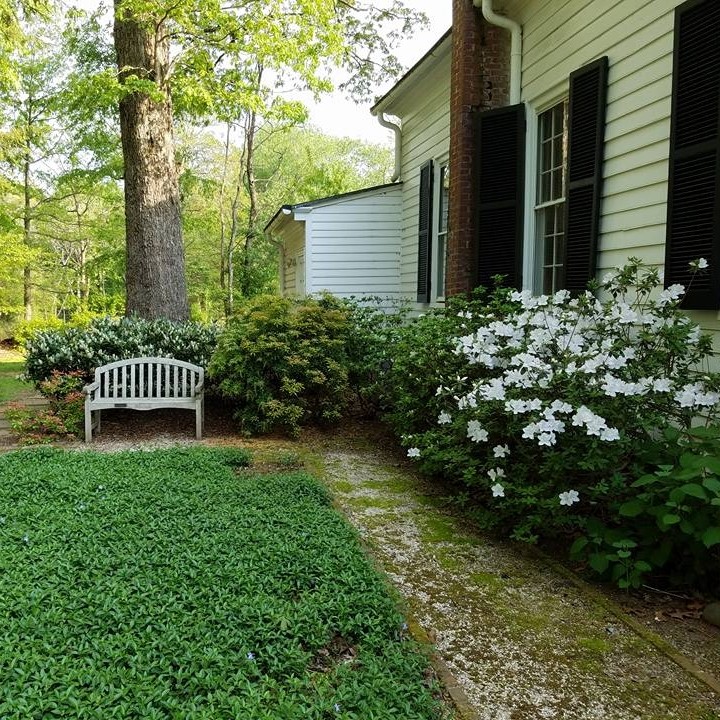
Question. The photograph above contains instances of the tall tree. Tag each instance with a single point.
(12, 36)
(155, 262)
(216, 51)
(28, 136)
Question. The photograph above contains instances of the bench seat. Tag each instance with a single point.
(145, 383)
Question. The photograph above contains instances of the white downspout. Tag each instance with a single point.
(398, 143)
(515, 45)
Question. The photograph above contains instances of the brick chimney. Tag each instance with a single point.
(479, 77)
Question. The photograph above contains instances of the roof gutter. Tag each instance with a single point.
(515, 45)
(398, 141)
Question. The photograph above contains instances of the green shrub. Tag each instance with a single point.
(545, 408)
(422, 349)
(283, 362)
(671, 522)
(375, 326)
(104, 340)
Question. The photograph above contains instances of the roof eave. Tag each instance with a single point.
(384, 103)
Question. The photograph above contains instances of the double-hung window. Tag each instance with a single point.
(433, 208)
(442, 230)
(550, 198)
(567, 178)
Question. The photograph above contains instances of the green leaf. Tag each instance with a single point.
(711, 463)
(579, 545)
(712, 484)
(599, 562)
(705, 433)
(645, 480)
(688, 460)
(670, 519)
(694, 490)
(711, 536)
(632, 508)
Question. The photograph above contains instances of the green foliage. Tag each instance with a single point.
(545, 408)
(671, 519)
(106, 339)
(422, 348)
(167, 584)
(65, 417)
(375, 325)
(283, 362)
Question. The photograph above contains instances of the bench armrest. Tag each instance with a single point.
(200, 387)
(92, 386)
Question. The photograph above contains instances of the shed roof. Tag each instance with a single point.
(310, 204)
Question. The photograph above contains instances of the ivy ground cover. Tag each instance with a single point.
(171, 584)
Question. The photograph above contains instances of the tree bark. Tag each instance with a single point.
(155, 274)
(252, 229)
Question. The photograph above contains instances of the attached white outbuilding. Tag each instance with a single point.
(348, 245)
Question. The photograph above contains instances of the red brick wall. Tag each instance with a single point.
(479, 81)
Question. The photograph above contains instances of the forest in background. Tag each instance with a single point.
(240, 142)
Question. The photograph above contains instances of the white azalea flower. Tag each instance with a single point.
(609, 434)
(569, 497)
(476, 432)
(444, 418)
(501, 451)
(498, 490)
(495, 473)
(413, 452)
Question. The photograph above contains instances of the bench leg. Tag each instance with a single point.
(199, 417)
(88, 424)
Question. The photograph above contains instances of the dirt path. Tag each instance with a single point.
(522, 641)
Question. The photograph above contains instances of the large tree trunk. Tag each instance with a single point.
(155, 274)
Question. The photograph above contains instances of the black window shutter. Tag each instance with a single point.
(586, 136)
(425, 232)
(501, 185)
(693, 225)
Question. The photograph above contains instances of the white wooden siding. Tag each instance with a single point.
(293, 248)
(355, 244)
(425, 115)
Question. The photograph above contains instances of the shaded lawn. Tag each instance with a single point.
(10, 386)
(170, 584)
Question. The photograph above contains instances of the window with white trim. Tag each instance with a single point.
(443, 186)
(550, 199)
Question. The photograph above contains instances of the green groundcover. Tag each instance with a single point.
(178, 584)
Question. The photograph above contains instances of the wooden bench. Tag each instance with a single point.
(145, 383)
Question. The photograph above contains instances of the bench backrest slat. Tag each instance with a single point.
(148, 378)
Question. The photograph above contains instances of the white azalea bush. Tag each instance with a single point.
(557, 398)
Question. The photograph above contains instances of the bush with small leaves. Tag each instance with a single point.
(283, 363)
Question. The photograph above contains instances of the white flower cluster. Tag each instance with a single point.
(557, 360)
(555, 340)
